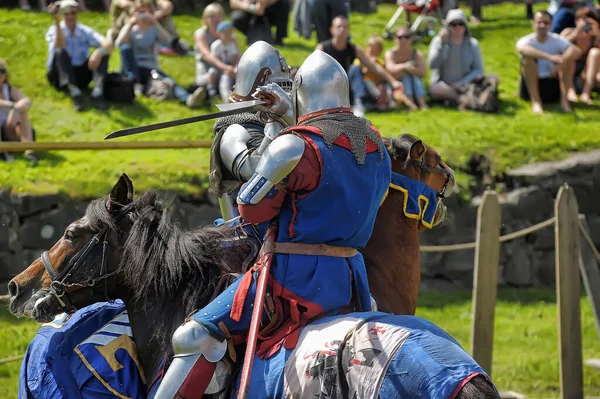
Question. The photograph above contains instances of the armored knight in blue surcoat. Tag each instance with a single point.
(319, 184)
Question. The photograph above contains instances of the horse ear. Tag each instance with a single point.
(417, 151)
(121, 194)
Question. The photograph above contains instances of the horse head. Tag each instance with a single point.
(81, 267)
(413, 159)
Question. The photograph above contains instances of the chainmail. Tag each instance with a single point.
(221, 180)
(358, 130)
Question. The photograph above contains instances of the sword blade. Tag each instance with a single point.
(178, 122)
(240, 105)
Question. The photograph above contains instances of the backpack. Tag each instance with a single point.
(118, 89)
(159, 87)
(480, 95)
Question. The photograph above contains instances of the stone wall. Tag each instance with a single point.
(30, 224)
(527, 261)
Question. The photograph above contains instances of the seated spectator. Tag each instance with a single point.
(564, 16)
(119, 13)
(407, 64)
(254, 18)
(138, 43)
(379, 93)
(14, 118)
(454, 59)
(586, 36)
(547, 65)
(344, 52)
(122, 10)
(226, 50)
(163, 13)
(70, 65)
(209, 67)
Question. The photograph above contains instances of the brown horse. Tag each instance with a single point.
(392, 254)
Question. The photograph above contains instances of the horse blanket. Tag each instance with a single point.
(359, 355)
(87, 354)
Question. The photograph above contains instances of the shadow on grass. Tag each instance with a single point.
(136, 109)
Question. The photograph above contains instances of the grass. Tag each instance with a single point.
(525, 345)
(511, 138)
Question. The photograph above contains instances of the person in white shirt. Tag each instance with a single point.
(70, 65)
(227, 51)
(547, 66)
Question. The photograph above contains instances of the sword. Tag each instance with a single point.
(229, 109)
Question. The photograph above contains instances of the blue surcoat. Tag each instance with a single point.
(341, 212)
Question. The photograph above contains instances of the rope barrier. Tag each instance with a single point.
(11, 359)
(589, 241)
(504, 238)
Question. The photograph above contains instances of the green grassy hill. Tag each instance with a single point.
(511, 138)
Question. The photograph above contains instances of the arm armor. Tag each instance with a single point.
(279, 160)
(235, 155)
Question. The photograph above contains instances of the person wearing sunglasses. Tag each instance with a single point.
(70, 66)
(14, 118)
(407, 64)
(454, 58)
(547, 65)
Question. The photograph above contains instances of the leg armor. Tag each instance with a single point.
(196, 352)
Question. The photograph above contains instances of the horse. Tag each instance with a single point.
(392, 255)
(129, 249)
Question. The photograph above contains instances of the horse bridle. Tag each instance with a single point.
(58, 288)
(444, 170)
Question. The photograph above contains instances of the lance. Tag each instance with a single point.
(226, 110)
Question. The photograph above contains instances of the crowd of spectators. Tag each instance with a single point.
(560, 60)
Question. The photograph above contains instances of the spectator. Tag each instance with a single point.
(226, 50)
(254, 19)
(586, 36)
(454, 58)
(378, 91)
(70, 65)
(138, 43)
(407, 64)
(208, 66)
(321, 13)
(14, 118)
(565, 16)
(163, 14)
(547, 65)
(344, 52)
(122, 10)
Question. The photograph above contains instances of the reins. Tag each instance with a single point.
(59, 289)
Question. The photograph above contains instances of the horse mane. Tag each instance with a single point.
(168, 270)
(399, 147)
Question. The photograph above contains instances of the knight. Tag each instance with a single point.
(319, 184)
(240, 139)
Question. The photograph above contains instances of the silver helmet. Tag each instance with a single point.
(320, 83)
(260, 64)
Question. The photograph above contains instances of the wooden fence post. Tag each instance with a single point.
(566, 234)
(485, 279)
